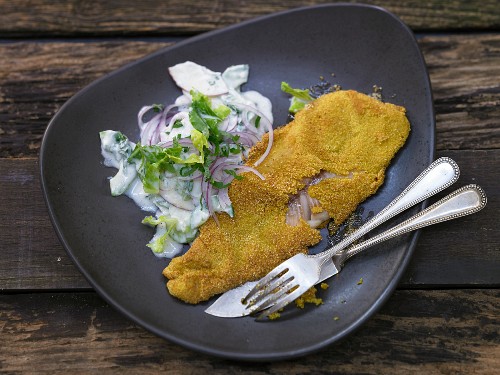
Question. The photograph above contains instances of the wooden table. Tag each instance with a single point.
(444, 316)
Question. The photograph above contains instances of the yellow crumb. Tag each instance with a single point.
(308, 297)
(345, 133)
(274, 316)
(316, 209)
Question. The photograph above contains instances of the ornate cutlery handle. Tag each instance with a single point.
(438, 176)
(462, 202)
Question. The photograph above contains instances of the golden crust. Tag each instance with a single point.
(345, 133)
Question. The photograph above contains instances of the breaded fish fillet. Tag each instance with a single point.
(332, 156)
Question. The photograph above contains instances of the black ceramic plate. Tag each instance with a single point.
(362, 45)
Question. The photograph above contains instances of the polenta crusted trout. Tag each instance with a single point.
(322, 165)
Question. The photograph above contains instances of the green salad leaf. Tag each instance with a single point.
(299, 97)
(164, 226)
(204, 118)
(199, 141)
(154, 160)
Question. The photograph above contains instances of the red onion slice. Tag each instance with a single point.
(164, 195)
(150, 130)
(264, 121)
(246, 138)
(250, 169)
(224, 199)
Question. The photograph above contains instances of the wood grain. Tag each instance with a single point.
(43, 77)
(33, 258)
(464, 70)
(464, 251)
(465, 77)
(51, 321)
(45, 18)
(445, 331)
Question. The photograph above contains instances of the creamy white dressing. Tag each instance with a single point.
(179, 207)
(170, 132)
(189, 76)
(116, 149)
(135, 191)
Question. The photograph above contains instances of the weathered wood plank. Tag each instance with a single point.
(464, 70)
(446, 331)
(452, 252)
(465, 77)
(37, 78)
(94, 18)
(461, 252)
(32, 256)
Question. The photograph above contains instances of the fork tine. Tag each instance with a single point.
(261, 285)
(269, 294)
(280, 303)
(269, 288)
(271, 299)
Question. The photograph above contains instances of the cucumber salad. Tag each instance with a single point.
(189, 152)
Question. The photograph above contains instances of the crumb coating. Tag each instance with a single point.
(346, 133)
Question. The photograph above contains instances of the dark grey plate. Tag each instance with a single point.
(362, 45)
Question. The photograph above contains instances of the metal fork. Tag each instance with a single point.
(277, 284)
(301, 272)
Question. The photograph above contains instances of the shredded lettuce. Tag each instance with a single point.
(161, 239)
(168, 240)
(155, 160)
(153, 221)
(204, 118)
(179, 146)
(299, 97)
(199, 141)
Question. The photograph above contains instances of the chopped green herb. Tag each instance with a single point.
(187, 170)
(218, 184)
(257, 122)
(360, 281)
(204, 118)
(119, 137)
(155, 160)
(158, 107)
(235, 149)
(177, 124)
(233, 173)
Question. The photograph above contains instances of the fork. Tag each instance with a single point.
(301, 272)
(438, 176)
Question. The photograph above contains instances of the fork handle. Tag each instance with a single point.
(462, 202)
(438, 176)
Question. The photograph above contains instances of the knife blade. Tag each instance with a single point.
(229, 305)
